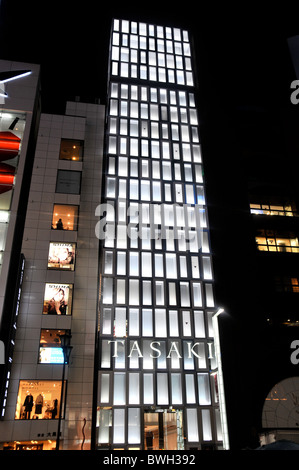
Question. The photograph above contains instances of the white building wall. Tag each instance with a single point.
(81, 122)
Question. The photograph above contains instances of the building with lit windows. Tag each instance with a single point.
(159, 371)
(44, 399)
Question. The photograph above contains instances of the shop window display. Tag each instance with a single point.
(62, 256)
(58, 299)
(50, 351)
(38, 399)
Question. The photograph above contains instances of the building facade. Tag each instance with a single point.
(159, 372)
(59, 289)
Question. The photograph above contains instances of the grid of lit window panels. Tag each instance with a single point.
(149, 52)
(157, 281)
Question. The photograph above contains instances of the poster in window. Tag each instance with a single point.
(58, 299)
(62, 256)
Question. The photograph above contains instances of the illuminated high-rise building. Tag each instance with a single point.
(159, 371)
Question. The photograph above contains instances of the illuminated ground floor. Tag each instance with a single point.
(157, 429)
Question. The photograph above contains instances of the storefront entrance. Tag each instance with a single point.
(163, 430)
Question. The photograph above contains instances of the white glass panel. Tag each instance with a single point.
(148, 389)
(183, 266)
(173, 323)
(162, 389)
(190, 390)
(146, 264)
(134, 322)
(171, 268)
(110, 192)
(105, 356)
(134, 263)
(118, 426)
(119, 389)
(122, 166)
(195, 267)
(197, 297)
(199, 325)
(147, 322)
(147, 292)
(107, 290)
(172, 293)
(209, 295)
(186, 321)
(160, 323)
(206, 425)
(121, 291)
(176, 389)
(159, 292)
(134, 389)
(156, 185)
(145, 191)
(104, 426)
(121, 263)
(207, 268)
(133, 292)
(185, 296)
(108, 262)
(134, 425)
(189, 194)
(122, 211)
(192, 425)
(120, 322)
(106, 321)
(122, 188)
(134, 190)
(204, 396)
(105, 386)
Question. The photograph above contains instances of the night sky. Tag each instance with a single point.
(240, 50)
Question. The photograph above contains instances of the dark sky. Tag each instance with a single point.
(240, 50)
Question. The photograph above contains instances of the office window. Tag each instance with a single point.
(65, 217)
(286, 284)
(270, 241)
(288, 209)
(71, 150)
(68, 182)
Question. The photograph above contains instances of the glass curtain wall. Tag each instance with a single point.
(156, 349)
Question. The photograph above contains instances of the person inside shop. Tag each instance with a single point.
(59, 225)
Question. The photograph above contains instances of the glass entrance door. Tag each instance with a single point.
(163, 430)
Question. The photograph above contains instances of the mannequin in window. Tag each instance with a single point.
(54, 409)
(28, 404)
(39, 404)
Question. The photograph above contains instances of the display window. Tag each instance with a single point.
(62, 256)
(58, 299)
(30, 445)
(71, 150)
(38, 399)
(50, 351)
(65, 217)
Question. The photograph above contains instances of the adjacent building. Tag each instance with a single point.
(59, 254)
